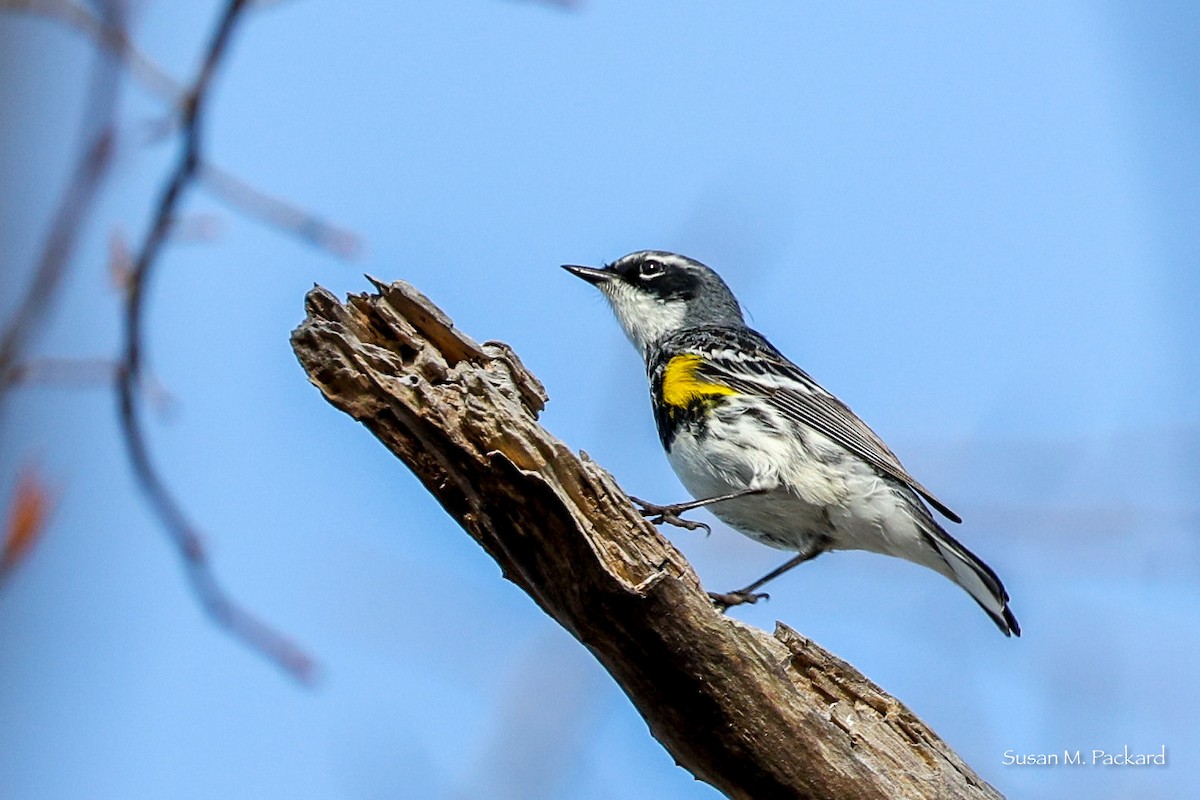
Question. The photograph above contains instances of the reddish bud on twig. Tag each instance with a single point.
(26, 522)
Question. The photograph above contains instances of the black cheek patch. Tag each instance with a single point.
(673, 285)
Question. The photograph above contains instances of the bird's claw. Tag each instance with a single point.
(727, 600)
(668, 515)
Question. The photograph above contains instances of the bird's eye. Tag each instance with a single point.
(651, 268)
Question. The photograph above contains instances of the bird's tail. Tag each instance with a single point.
(969, 572)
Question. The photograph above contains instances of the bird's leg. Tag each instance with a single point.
(670, 514)
(726, 600)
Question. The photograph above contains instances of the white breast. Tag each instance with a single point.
(815, 488)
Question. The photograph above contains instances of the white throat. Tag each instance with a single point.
(645, 319)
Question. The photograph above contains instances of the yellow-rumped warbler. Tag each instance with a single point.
(753, 436)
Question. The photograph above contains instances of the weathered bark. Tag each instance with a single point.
(755, 715)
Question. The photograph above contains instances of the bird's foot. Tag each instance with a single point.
(727, 600)
(669, 515)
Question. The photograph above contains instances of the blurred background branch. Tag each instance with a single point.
(78, 199)
(235, 191)
(108, 28)
(109, 32)
(220, 606)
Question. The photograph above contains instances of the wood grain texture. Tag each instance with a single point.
(755, 715)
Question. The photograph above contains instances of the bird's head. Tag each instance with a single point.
(655, 294)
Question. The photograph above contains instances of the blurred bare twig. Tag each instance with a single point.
(112, 35)
(226, 186)
(550, 702)
(132, 272)
(78, 198)
(566, 5)
(237, 620)
(280, 214)
(69, 372)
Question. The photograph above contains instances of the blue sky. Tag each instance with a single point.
(975, 224)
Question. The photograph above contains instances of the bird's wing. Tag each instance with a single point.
(767, 373)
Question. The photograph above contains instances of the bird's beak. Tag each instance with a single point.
(590, 274)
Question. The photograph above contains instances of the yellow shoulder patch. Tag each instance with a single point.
(680, 386)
